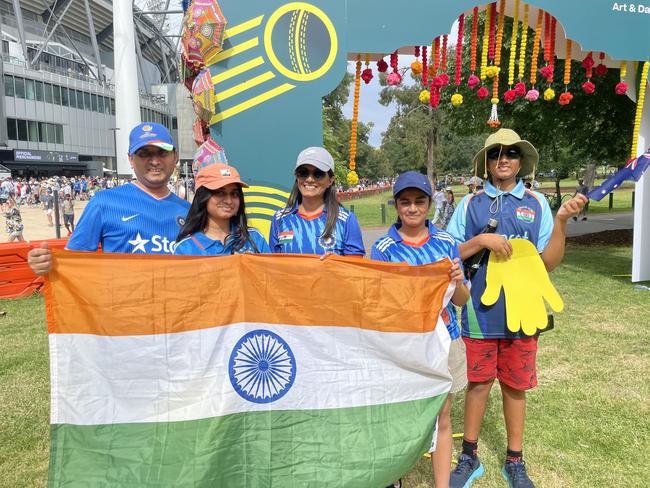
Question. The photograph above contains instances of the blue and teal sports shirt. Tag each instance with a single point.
(198, 244)
(127, 219)
(294, 233)
(521, 213)
(439, 245)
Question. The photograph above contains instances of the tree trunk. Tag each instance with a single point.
(558, 199)
(589, 176)
(432, 143)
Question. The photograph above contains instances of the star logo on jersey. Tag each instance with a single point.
(138, 244)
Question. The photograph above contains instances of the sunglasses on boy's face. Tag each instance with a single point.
(510, 153)
(304, 173)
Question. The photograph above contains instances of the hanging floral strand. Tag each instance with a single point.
(353, 178)
(457, 98)
(443, 79)
(394, 78)
(416, 66)
(566, 97)
(621, 86)
(549, 93)
(425, 68)
(533, 94)
(601, 69)
(473, 80)
(639, 109)
(367, 75)
(588, 64)
(494, 70)
(491, 41)
(486, 42)
(520, 87)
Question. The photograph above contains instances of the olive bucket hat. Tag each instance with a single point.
(508, 137)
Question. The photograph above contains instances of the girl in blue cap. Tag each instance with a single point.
(313, 221)
(216, 223)
(415, 240)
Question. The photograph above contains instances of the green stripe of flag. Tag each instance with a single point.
(355, 447)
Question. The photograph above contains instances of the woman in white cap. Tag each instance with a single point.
(216, 224)
(313, 221)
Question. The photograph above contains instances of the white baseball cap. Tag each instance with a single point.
(316, 156)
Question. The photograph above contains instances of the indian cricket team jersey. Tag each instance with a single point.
(198, 244)
(520, 213)
(439, 245)
(127, 219)
(294, 233)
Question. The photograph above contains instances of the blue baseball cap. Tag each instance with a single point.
(412, 179)
(150, 134)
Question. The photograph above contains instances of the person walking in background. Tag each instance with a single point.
(48, 206)
(68, 214)
(13, 221)
(448, 208)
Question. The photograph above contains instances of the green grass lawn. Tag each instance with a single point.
(588, 421)
(368, 209)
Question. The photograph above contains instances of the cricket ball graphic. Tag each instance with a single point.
(300, 41)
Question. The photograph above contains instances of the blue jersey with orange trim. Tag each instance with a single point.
(439, 245)
(198, 244)
(127, 219)
(294, 233)
(520, 213)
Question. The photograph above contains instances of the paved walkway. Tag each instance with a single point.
(36, 225)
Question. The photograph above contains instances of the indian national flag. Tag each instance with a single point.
(242, 371)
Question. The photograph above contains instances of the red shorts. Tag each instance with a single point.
(511, 361)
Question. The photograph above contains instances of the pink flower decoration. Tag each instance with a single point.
(382, 66)
(532, 95)
(601, 70)
(435, 98)
(565, 98)
(547, 72)
(394, 79)
(520, 89)
(620, 88)
(510, 96)
(366, 75)
(482, 93)
(444, 79)
(588, 62)
(438, 82)
(473, 81)
(588, 87)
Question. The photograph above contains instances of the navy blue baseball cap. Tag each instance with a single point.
(150, 134)
(412, 179)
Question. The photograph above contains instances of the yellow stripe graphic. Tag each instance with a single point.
(267, 189)
(237, 109)
(260, 210)
(235, 90)
(238, 49)
(259, 199)
(237, 70)
(243, 27)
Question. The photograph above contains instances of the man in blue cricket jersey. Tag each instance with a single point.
(493, 352)
(142, 217)
(415, 240)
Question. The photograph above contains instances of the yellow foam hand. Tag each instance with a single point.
(526, 285)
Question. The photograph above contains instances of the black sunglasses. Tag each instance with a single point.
(304, 173)
(510, 153)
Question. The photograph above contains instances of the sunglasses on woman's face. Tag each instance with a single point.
(304, 173)
(510, 153)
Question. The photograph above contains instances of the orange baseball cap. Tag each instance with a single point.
(217, 176)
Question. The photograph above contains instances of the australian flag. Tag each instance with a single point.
(631, 171)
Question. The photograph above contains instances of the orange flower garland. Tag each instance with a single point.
(353, 178)
(473, 46)
(566, 97)
(536, 43)
(502, 18)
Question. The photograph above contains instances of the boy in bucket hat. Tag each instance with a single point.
(493, 352)
(141, 217)
(415, 240)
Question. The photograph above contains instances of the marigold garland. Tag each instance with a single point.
(491, 41)
(547, 37)
(436, 55)
(536, 44)
(425, 68)
(456, 99)
(552, 54)
(523, 45)
(549, 94)
(416, 66)
(513, 45)
(567, 64)
(639, 109)
(355, 119)
(486, 39)
(443, 66)
(473, 45)
(459, 47)
(424, 96)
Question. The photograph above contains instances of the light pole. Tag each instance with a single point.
(114, 130)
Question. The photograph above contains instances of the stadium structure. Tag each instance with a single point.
(57, 115)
